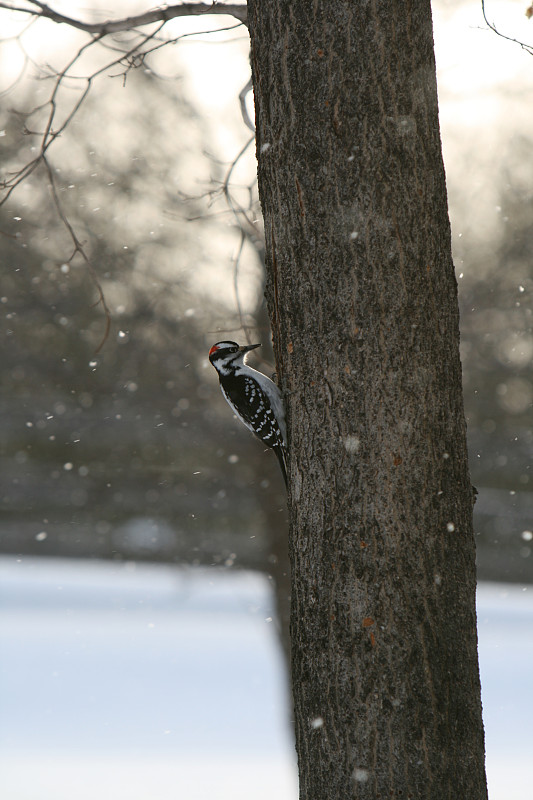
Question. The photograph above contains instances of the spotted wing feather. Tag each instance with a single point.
(257, 414)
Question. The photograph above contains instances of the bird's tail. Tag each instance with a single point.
(281, 455)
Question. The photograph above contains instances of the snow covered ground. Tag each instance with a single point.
(138, 682)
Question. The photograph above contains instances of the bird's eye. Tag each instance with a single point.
(234, 350)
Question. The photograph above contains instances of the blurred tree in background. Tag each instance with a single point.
(119, 445)
(129, 452)
(485, 89)
(94, 442)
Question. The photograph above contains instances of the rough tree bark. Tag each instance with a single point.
(363, 303)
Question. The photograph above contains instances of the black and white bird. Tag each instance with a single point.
(254, 398)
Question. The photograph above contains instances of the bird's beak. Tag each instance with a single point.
(246, 347)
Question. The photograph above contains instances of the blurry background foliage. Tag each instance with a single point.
(132, 452)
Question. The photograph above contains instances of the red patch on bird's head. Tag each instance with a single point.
(213, 349)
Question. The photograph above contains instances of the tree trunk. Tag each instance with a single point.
(363, 303)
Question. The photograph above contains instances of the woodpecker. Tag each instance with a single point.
(254, 398)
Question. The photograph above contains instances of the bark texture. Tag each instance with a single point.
(363, 303)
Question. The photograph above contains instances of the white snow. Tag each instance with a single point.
(505, 630)
(131, 682)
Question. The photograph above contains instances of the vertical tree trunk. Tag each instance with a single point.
(363, 303)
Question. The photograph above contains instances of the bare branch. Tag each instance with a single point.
(50, 133)
(242, 100)
(239, 212)
(116, 26)
(527, 47)
(57, 119)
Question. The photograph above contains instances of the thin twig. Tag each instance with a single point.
(527, 47)
(78, 248)
(128, 59)
(243, 94)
